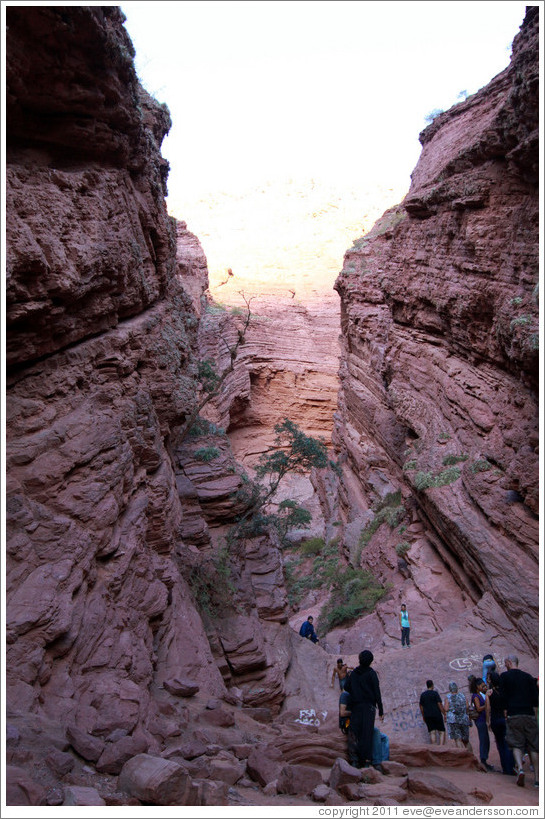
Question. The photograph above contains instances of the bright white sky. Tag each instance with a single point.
(337, 90)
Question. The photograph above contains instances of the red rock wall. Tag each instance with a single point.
(106, 508)
(439, 314)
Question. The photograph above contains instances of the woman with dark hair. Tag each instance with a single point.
(477, 690)
(364, 689)
(495, 720)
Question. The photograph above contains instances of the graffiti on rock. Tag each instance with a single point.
(308, 716)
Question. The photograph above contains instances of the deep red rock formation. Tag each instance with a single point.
(440, 342)
(107, 505)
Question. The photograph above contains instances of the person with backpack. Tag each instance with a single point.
(455, 705)
(478, 701)
(364, 689)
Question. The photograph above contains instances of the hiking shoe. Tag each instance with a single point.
(488, 767)
(520, 778)
(536, 784)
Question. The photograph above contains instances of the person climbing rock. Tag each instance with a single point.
(519, 693)
(405, 624)
(433, 712)
(364, 689)
(341, 671)
(307, 630)
(489, 664)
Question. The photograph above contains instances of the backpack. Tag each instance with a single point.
(344, 723)
(473, 713)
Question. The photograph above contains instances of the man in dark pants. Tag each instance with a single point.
(433, 712)
(364, 689)
(519, 693)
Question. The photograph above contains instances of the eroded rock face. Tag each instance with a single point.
(439, 365)
(107, 506)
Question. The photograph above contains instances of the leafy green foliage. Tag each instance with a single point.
(388, 510)
(206, 453)
(426, 480)
(312, 546)
(402, 548)
(450, 460)
(481, 465)
(354, 592)
(207, 375)
(211, 584)
(432, 115)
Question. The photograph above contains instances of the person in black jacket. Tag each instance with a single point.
(364, 689)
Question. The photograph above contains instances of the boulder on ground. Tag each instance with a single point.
(59, 762)
(298, 779)
(21, 788)
(264, 764)
(84, 744)
(213, 793)
(321, 792)
(181, 687)
(217, 717)
(432, 786)
(117, 753)
(227, 768)
(394, 768)
(77, 795)
(155, 781)
(342, 773)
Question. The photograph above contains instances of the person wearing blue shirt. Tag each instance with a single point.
(405, 624)
(307, 630)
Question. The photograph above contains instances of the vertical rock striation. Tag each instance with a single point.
(439, 313)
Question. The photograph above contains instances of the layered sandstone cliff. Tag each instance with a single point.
(108, 508)
(439, 369)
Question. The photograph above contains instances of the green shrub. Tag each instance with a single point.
(450, 460)
(402, 548)
(481, 465)
(312, 546)
(429, 118)
(423, 480)
(520, 321)
(206, 453)
(354, 592)
(211, 584)
(387, 510)
(409, 465)
(446, 476)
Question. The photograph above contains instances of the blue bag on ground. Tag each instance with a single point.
(381, 747)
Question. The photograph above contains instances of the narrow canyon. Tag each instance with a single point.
(154, 593)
